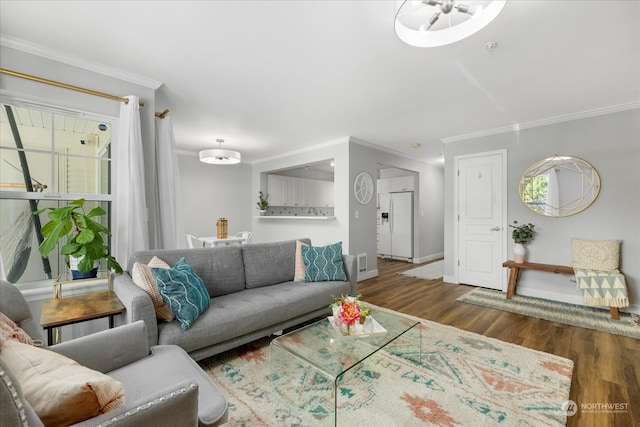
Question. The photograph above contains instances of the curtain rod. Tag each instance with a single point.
(64, 86)
(163, 114)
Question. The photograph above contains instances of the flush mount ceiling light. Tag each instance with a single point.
(431, 23)
(218, 156)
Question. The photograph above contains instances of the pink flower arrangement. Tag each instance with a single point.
(349, 313)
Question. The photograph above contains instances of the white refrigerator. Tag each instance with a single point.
(395, 225)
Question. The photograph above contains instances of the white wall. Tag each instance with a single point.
(610, 143)
(320, 232)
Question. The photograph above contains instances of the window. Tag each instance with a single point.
(537, 193)
(48, 156)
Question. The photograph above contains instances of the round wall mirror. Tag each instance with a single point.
(559, 186)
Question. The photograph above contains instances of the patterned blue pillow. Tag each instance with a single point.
(323, 264)
(183, 291)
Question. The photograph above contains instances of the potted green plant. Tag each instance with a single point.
(263, 203)
(521, 235)
(85, 240)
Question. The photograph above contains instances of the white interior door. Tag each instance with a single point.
(481, 215)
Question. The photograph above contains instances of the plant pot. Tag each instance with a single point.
(76, 274)
(519, 253)
(263, 213)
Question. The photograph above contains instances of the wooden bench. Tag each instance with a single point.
(514, 275)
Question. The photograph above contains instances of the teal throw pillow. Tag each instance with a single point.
(183, 291)
(323, 264)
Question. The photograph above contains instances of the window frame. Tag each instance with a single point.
(109, 197)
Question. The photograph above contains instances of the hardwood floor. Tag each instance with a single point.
(607, 367)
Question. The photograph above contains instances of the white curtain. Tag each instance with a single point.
(553, 196)
(131, 220)
(169, 212)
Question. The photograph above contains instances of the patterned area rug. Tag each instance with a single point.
(598, 318)
(464, 379)
(433, 270)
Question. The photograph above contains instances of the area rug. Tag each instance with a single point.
(598, 318)
(464, 379)
(433, 270)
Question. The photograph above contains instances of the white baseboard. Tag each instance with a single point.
(367, 275)
(426, 258)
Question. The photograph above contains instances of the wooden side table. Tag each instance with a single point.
(58, 312)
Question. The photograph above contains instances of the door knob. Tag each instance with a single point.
(496, 228)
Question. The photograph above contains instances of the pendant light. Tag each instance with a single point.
(431, 23)
(218, 156)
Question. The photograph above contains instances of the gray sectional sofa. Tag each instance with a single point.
(252, 295)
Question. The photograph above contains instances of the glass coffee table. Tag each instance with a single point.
(310, 365)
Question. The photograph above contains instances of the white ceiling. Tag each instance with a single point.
(272, 77)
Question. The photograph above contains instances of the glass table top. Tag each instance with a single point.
(332, 353)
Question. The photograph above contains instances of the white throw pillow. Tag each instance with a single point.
(141, 276)
(602, 255)
(60, 390)
(300, 269)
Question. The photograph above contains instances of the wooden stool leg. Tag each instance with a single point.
(614, 313)
(513, 281)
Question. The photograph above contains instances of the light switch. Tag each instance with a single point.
(357, 214)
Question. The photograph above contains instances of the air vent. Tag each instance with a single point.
(362, 263)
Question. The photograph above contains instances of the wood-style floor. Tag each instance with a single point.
(607, 367)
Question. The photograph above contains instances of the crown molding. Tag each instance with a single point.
(545, 122)
(65, 58)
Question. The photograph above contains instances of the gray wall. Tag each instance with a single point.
(428, 204)
(210, 192)
(363, 229)
(611, 144)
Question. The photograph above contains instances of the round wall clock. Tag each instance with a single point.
(363, 188)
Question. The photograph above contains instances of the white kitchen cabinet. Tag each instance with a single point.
(318, 194)
(276, 190)
(300, 192)
(397, 184)
(294, 190)
(326, 194)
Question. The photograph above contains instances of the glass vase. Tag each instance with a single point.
(347, 329)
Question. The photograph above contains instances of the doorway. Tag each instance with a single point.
(481, 207)
(397, 202)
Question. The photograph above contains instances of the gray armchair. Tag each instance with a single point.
(163, 385)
